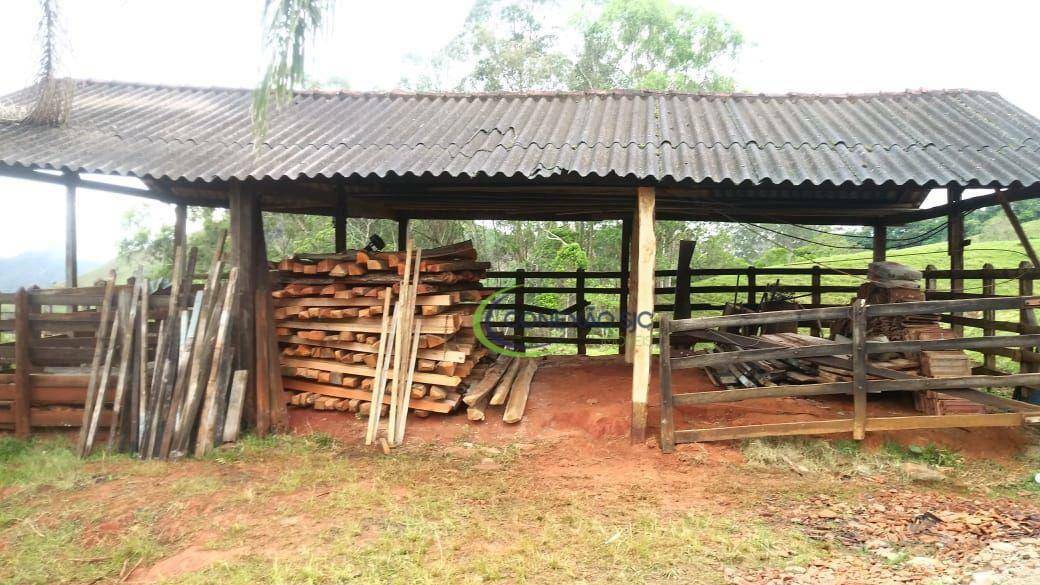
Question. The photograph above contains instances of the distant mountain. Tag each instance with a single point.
(45, 268)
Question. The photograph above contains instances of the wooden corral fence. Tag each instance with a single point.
(866, 378)
(46, 339)
(528, 321)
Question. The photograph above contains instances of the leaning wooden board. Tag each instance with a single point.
(448, 404)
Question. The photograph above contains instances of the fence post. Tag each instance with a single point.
(1025, 314)
(929, 281)
(859, 369)
(752, 290)
(626, 245)
(816, 299)
(518, 312)
(582, 322)
(23, 365)
(989, 288)
(667, 402)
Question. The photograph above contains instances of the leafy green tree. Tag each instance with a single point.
(655, 44)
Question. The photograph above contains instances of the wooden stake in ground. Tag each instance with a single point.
(128, 310)
(504, 385)
(95, 382)
(235, 403)
(519, 392)
(106, 371)
(221, 358)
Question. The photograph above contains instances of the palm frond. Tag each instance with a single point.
(53, 94)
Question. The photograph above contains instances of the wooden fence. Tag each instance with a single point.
(855, 353)
(46, 339)
(813, 287)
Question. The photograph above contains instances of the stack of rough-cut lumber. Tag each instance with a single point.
(507, 382)
(330, 313)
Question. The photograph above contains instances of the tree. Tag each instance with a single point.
(655, 44)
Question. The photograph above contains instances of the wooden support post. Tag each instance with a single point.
(1026, 316)
(989, 288)
(644, 313)
(859, 369)
(402, 233)
(631, 285)
(930, 282)
(180, 225)
(580, 314)
(518, 312)
(816, 299)
(880, 242)
(1022, 237)
(752, 286)
(955, 245)
(23, 366)
(339, 220)
(682, 280)
(625, 282)
(243, 212)
(667, 400)
(70, 230)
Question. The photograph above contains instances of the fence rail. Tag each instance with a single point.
(815, 288)
(855, 354)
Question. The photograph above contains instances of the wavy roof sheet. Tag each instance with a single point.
(922, 138)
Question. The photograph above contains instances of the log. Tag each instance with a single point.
(505, 384)
(487, 383)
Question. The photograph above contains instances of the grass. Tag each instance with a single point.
(310, 509)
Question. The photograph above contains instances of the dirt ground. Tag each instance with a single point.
(561, 496)
(587, 400)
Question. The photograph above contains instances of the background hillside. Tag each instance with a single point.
(40, 267)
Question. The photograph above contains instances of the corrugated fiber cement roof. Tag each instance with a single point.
(912, 138)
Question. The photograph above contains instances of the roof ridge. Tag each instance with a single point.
(551, 93)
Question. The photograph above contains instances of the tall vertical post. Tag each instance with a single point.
(880, 242)
(682, 280)
(816, 298)
(625, 282)
(645, 248)
(339, 220)
(955, 245)
(989, 289)
(244, 212)
(518, 312)
(70, 229)
(581, 315)
(402, 233)
(859, 369)
(22, 366)
(180, 225)
(633, 277)
(1026, 317)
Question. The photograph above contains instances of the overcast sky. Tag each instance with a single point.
(802, 46)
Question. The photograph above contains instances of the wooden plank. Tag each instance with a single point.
(435, 324)
(505, 384)
(488, 382)
(947, 421)
(644, 305)
(713, 397)
(752, 355)
(959, 343)
(236, 406)
(243, 213)
(216, 384)
(519, 393)
(388, 331)
(106, 372)
(53, 418)
(23, 367)
(441, 354)
(955, 305)
(820, 427)
(442, 406)
(128, 316)
(745, 319)
(1029, 379)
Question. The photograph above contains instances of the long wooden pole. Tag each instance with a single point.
(1021, 233)
(644, 311)
(955, 244)
(70, 230)
(880, 242)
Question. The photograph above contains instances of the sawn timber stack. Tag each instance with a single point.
(329, 309)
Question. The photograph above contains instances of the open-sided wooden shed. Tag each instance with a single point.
(636, 156)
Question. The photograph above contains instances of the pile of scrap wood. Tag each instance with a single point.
(507, 381)
(891, 282)
(335, 315)
(945, 364)
(175, 395)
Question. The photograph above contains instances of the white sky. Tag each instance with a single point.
(804, 46)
